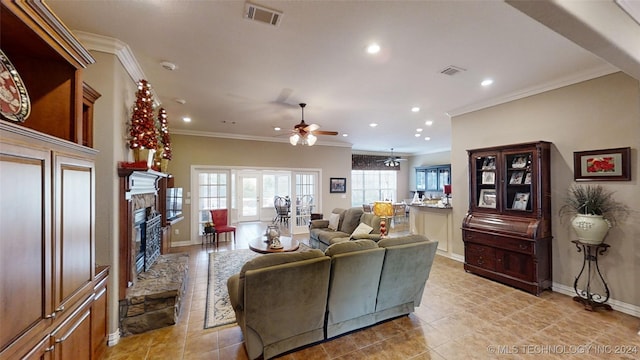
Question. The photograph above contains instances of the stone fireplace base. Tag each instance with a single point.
(155, 299)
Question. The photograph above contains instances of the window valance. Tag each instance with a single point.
(370, 162)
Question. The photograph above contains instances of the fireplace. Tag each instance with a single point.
(147, 228)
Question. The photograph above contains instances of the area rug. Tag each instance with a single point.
(221, 266)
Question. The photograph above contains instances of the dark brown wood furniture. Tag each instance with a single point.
(507, 230)
(260, 245)
(54, 302)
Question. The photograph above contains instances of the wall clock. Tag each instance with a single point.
(14, 99)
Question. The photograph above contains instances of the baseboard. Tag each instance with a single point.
(615, 304)
(114, 338)
(182, 243)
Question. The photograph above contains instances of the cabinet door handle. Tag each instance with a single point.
(50, 348)
(523, 247)
(50, 316)
(59, 309)
(480, 261)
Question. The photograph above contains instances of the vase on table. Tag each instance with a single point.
(590, 229)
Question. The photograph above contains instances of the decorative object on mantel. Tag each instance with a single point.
(593, 212)
(165, 140)
(14, 99)
(383, 209)
(143, 132)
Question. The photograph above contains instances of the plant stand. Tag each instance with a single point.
(591, 300)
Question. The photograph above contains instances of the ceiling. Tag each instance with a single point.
(241, 78)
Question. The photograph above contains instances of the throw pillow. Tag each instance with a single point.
(334, 220)
(362, 229)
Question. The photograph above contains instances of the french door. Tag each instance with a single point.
(305, 193)
(249, 189)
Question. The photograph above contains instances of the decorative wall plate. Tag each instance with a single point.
(14, 100)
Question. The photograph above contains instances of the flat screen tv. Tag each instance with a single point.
(174, 203)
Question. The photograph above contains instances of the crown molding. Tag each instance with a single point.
(120, 50)
(251, 138)
(603, 70)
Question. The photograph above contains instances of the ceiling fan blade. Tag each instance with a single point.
(321, 132)
(312, 127)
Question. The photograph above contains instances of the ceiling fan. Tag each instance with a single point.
(304, 133)
(392, 160)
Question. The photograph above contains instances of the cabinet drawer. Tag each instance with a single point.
(502, 242)
(482, 256)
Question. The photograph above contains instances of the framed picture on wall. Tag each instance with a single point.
(602, 165)
(338, 185)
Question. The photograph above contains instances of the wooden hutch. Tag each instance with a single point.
(507, 231)
(54, 298)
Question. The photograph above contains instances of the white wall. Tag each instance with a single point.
(597, 114)
(108, 77)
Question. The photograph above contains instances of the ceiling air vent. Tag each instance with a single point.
(451, 70)
(262, 14)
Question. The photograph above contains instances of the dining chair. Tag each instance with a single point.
(283, 209)
(220, 218)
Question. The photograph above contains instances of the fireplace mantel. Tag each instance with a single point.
(140, 181)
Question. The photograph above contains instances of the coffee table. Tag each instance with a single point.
(260, 245)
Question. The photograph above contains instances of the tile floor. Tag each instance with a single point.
(462, 316)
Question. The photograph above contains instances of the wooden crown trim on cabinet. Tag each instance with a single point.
(49, 28)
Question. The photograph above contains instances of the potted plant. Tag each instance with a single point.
(593, 212)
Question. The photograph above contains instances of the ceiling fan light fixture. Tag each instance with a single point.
(293, 139)
(311, 139)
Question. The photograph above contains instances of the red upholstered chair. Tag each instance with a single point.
(219, 218)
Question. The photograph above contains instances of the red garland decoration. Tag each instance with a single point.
(143, 132)
(165, 139)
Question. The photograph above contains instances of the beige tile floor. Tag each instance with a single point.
(462, 316)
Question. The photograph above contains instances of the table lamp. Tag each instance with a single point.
(447, 192)
(383, 209)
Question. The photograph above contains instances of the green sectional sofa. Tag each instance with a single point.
(285, 301)
(321, 235)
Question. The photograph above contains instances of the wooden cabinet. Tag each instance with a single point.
(507, 230)
(433, 178)
(47, 202)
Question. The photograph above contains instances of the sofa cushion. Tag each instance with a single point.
(277, 259)
(402, 240)
(349, 246)
(351, 219)
(334, 221)
(362, 229)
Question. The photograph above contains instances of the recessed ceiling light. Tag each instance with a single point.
(345, 135)
(417, 135)
(419, 129)
(277, 128)
(167, 65)
(373, 124)
(428, 122)
(373, 48)
(415, 109)
(427, 138)
(186, 119)
(486, 82)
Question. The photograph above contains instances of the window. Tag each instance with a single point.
(212, 193)
(275, 185)
(368, 186)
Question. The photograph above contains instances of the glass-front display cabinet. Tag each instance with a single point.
(507, 230)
